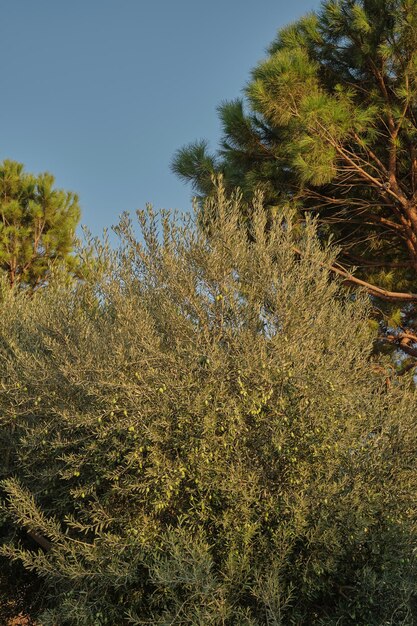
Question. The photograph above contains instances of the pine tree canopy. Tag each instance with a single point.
(329, 125)
(37, 224)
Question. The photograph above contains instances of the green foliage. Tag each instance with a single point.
(198, 430)
(37, 224)
(329, 124)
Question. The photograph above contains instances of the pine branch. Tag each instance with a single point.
(373, 290)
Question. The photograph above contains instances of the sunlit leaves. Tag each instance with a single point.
(37, 225)
(200, 430)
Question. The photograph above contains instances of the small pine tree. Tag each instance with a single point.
(37, 225)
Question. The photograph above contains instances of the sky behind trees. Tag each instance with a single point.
(101, 93)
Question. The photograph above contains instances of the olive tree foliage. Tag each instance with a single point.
(197, 435)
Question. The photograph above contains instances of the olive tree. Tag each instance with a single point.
(197, 434)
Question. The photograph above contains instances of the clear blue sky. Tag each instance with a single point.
(102, 92)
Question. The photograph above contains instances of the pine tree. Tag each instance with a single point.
(37, 224)
(329, 125)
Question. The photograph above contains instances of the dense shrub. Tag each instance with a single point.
(200, 433)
